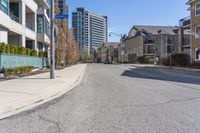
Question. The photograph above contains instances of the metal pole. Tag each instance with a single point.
(52, 52)
(170, 59)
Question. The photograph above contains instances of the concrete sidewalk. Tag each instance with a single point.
(25, 93)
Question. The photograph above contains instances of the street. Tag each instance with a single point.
(118, 99)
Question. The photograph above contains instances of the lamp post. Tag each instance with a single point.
(52, 51)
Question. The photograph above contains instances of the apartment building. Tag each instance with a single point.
(195, 30)
(90, 30)
(25, 23)
(153, 42)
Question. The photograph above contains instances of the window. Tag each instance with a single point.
(4, 6)
(197, 8)
(197, 54)
(197, 32)
(40, 24)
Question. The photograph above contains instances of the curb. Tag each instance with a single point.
(191, 71)
(28, 104)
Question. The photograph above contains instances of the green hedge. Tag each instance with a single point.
(18, 50)
(17, 71)
(180, 59)
(42, 54)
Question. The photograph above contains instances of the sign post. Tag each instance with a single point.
(61, 16)
(52, 52)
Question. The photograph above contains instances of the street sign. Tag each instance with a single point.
(61, 16)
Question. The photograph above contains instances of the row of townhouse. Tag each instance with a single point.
(156, 42)
(108, 50)
(25, 23)
(190, 44)
(153, 42)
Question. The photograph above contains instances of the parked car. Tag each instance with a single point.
(1, 74)
(89, 61)
(106, 61)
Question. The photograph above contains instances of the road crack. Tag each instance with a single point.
(54, 122)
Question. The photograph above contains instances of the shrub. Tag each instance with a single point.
(17, 71)
(28, 51)
(180, 59)
(7, 49)
(2, 48)
(85, 57)
(143, 60)
(41, 54)
(14, 49)
(33, 52)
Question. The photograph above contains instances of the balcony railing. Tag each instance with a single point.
(185, 21)
(13, 17)
(149, 42)
(186, 41)
(29, 26)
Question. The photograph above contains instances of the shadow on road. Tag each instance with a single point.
(160, 74)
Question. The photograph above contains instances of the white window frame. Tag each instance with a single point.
(197, 36)
(196, 9)
(196, 55)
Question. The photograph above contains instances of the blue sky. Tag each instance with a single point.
(123, 14)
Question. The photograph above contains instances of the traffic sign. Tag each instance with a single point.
(61, 16)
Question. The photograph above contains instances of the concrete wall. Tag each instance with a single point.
(3, 35)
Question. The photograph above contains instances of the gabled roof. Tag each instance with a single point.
(145, 30)
(113, 44)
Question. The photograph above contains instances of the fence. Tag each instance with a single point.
(12, 61)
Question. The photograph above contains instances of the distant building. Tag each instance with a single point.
(108, 50)
(152, 42)
(90, 30)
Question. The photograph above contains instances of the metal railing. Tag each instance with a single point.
(29, 26)
(13, 17)
(184, 21)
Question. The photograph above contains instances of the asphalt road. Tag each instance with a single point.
(118, 99)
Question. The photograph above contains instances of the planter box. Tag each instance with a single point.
(12, 61)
